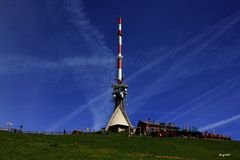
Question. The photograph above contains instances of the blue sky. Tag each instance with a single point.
(181, 61)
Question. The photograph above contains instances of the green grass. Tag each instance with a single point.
(15, 146)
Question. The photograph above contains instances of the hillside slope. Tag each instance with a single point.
(42, 147)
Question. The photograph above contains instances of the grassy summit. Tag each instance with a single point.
(49, 147)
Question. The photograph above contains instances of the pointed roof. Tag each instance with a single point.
(119, 117)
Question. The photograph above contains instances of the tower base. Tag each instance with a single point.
(119, 120)
(119, 128)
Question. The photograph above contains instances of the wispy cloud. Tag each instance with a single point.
(95, 40)
(96, 65)
(221, 27)
(187, 64)
(200, 98)
(19, 64)
(208, 96)
(78, 110)
(93, 37)
(220, 123)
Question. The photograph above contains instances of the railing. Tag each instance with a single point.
(46, 132)
(79, 132)
(36, 132)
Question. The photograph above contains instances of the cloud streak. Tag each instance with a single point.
(20, 64)
(186, 65)
(220, 123)
(98, 64)
(203, 96)
(93, 37)
(228, 22)
(96, 43)
(80, 109)
(209, 96)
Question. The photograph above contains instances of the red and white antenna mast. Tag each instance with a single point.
(120, 71)
(119, 120)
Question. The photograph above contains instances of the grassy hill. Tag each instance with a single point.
(15, 146)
